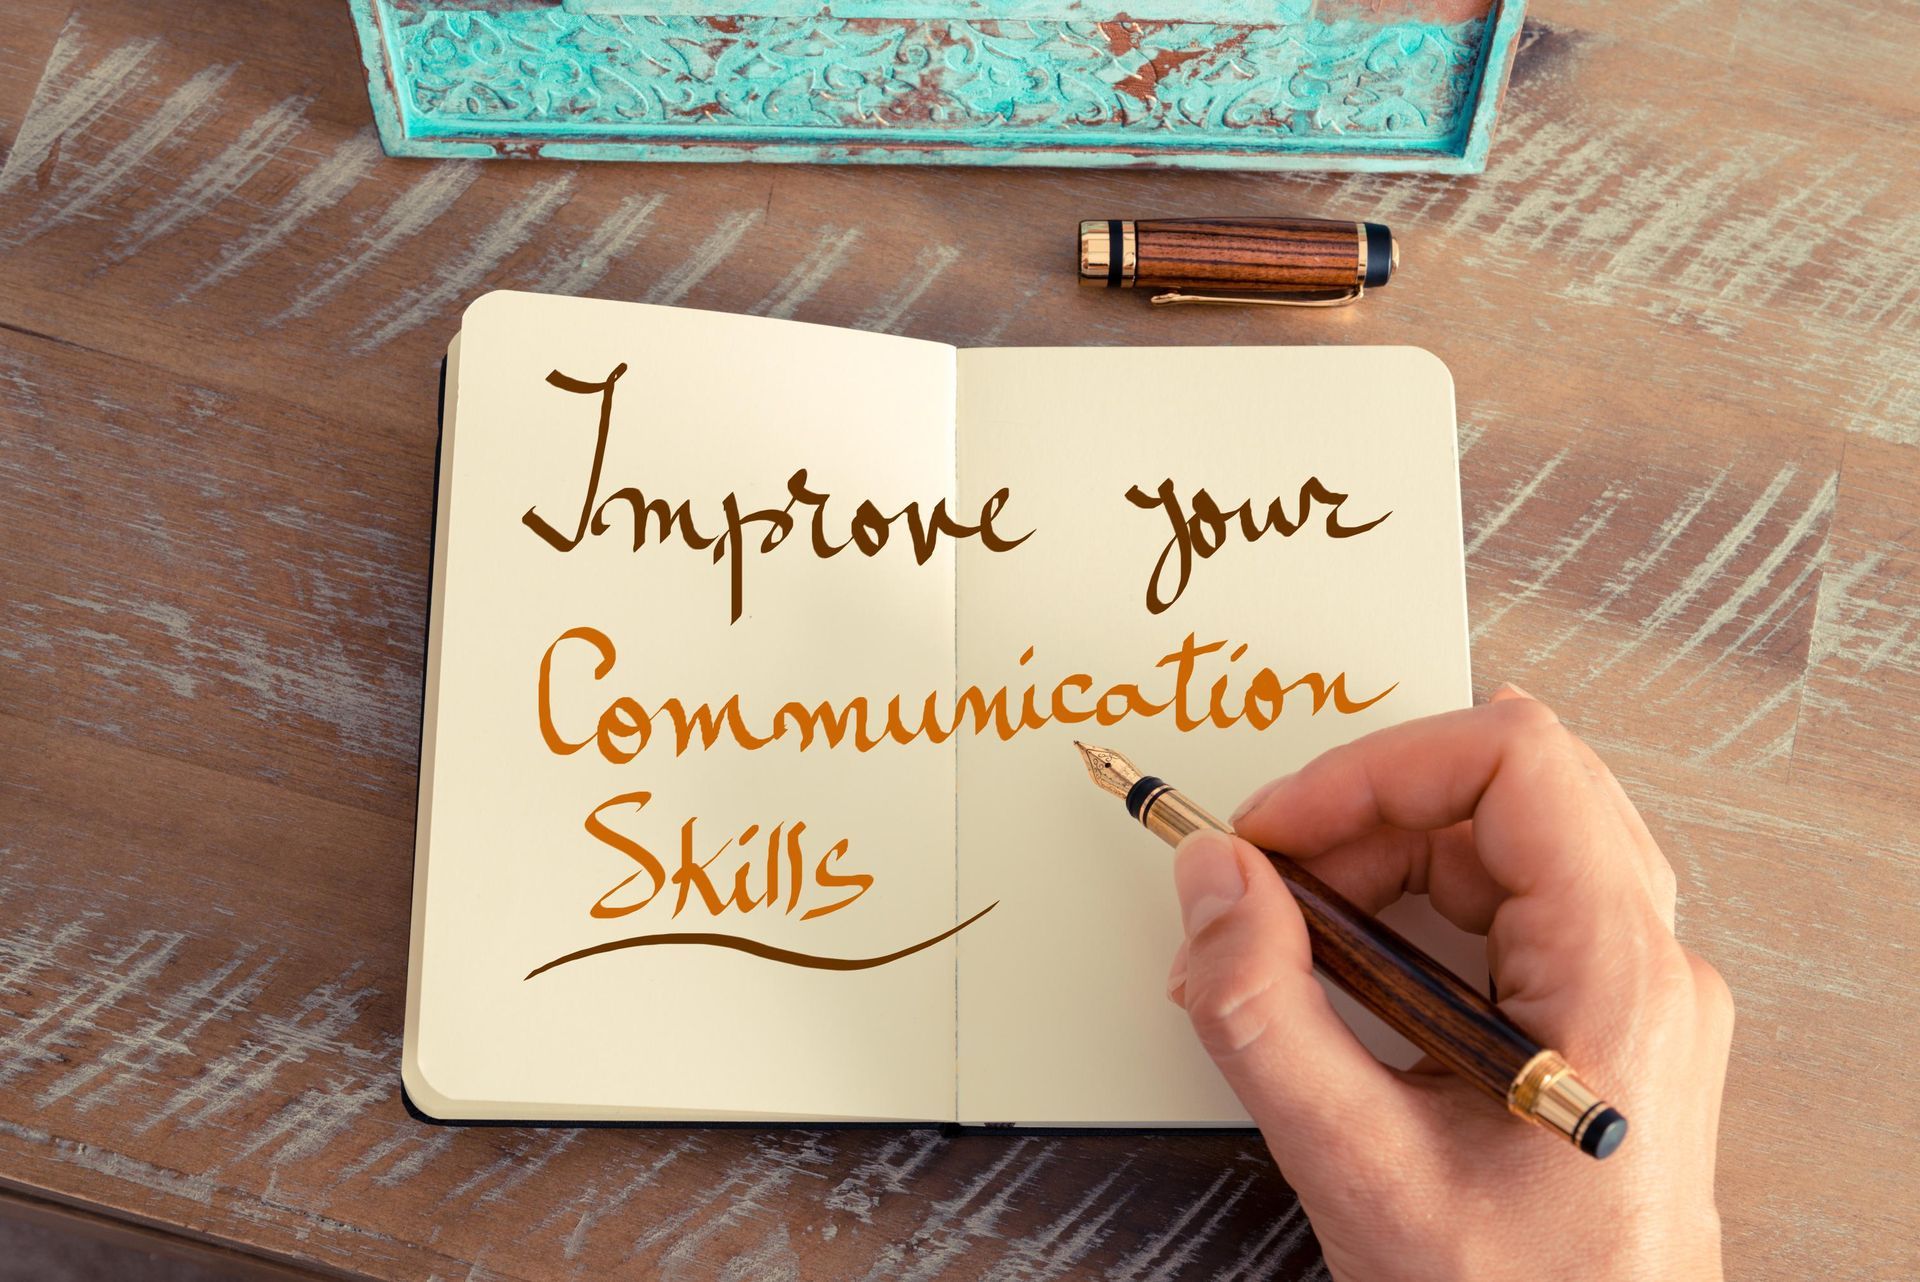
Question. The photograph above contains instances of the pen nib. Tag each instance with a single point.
(1110, 771)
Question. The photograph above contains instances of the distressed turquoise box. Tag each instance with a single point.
(1387, 85)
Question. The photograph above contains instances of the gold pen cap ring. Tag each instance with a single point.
(1547, 1093)
(1108, 253)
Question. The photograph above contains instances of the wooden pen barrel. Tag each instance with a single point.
(1259, 254)
(1415, 995)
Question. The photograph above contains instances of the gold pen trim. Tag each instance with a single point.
(1170, 815)
(1221, 300)
(1547, 1094)
(1094, 253)
(1100, 238)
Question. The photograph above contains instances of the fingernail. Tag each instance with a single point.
(1260, 794)
(1510, 687)
(1177, 973)
(1206, 871)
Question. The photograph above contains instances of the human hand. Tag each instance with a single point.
(1515, 830)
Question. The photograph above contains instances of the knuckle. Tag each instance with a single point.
(1529, 716)
(1711, 991)
(1665, 879)
(1231, 1015)
(1535, 729)
(1670, 982)
(1666, 885)
(1654, 966)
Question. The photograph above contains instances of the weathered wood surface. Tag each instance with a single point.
(1683, 312)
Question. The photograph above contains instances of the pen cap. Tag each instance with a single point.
(1275, 255)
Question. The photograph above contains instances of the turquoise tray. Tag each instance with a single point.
(1387, 85)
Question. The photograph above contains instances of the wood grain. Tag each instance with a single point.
(1682, 309)
(1249, 254)
(1413, 994)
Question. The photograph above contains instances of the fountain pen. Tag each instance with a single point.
(1412, 993)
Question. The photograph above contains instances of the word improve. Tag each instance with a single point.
(867, 533)
(1199, 528)
(625, 726)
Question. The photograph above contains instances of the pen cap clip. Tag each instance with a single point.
(1346, 299)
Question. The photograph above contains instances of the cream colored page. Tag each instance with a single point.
(1063, 1018)
(710, 405)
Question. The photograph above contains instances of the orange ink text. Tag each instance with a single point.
(1197, 684)
(760, 868)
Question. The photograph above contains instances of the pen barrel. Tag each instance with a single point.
(1242, 255)
(1412, 993)
(1260, 255)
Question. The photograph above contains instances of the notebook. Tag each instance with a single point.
(756, 655)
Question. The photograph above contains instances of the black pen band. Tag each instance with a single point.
(1144, 793)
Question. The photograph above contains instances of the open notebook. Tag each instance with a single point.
(757, 651)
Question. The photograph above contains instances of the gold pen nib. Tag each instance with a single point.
(1110, 771)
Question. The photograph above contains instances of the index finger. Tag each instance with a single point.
(1545, 834)
(1509, 766)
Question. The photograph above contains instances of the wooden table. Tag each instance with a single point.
(1683, 311)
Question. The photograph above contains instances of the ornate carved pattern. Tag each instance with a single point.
(549, 73)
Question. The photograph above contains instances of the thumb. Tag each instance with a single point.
(1315, 1092)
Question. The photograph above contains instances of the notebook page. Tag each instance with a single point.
(1063, 1018)
(539, 842)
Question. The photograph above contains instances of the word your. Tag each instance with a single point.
(1207, 528)
(625, 726)
(762, 878)
(867, 532)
